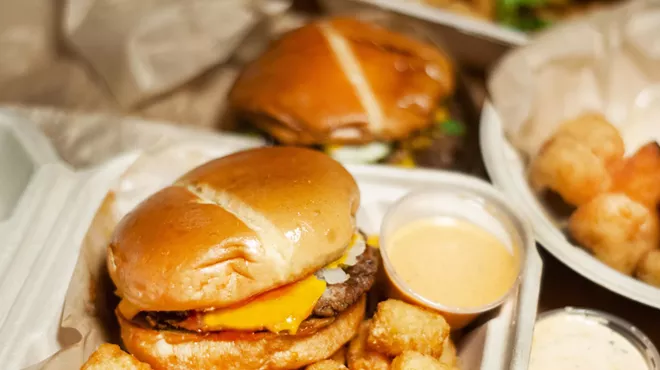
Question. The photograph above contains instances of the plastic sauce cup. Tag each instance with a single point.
(592, 319)
(467, 199)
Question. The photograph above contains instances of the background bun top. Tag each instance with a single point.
(233, 228)
(343, 81)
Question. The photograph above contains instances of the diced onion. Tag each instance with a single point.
(356, 250)
(333, 276)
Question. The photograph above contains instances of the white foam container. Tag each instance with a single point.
(48, 207)
(46, 210)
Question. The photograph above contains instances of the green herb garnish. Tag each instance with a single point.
(452, 128)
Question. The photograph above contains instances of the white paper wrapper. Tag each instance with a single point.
(150, 47)
(154, 59)
(608, 63)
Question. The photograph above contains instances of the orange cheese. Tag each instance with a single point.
(282, 309)
(342, 260)
(128, 310)
(373, 241)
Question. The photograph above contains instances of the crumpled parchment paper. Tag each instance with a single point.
(158, 59)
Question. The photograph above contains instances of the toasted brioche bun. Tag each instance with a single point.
(342, 81)
(234, 228)
(231, 351)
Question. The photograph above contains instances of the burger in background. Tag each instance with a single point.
(250, 261)
(355, 90)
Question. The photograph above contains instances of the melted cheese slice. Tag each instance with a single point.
(127, 309)
(282, 309)
(373, 241)
(342, 260)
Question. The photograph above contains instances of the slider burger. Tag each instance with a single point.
(250, 261)
(361, 93)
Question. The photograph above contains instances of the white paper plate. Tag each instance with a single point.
(467, 24)
(507, 172)
(475, 43)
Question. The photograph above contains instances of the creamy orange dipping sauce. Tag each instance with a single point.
(452, 262)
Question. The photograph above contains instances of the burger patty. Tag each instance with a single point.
(335, 299)
(338, 297)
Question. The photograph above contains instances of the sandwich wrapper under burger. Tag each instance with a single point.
(608, 62)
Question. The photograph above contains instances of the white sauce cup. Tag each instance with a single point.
(626, 330)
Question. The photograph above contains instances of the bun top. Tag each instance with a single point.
(342, 81)
(233, 228)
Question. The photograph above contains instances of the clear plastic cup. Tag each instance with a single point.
(628, 331)
(467, 199)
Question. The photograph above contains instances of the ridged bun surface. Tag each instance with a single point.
(233, 351)
(234, 227)
(345, 81)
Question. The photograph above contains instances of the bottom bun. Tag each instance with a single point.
(190, 351)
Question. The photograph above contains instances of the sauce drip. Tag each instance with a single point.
(452, 262)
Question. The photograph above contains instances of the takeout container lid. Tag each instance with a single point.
(507, 171)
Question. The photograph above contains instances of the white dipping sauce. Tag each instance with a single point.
(575, 342)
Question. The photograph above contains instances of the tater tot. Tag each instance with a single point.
(327, 365)
(570, 169)
(398, 326)
(449, 357)
(599, 135)
(111, 357)
(340, 355)
(575, 162)
(360, 358)
(639, 176)
(649, 268)
(410, 360)
(616, 229)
